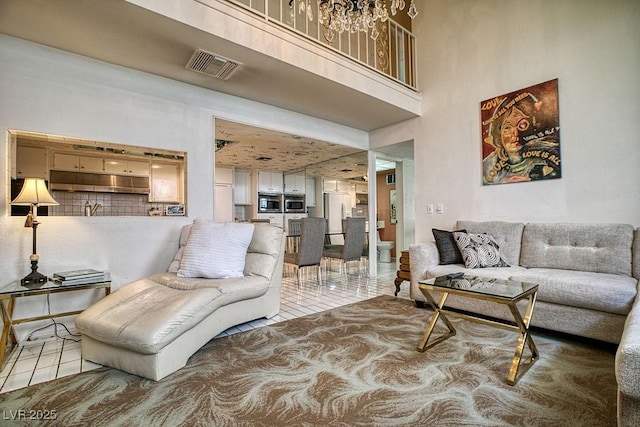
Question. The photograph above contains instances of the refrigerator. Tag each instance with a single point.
(223, 203)
(337, 206)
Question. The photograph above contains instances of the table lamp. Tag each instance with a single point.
(34, 193)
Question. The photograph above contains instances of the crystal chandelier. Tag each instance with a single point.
(338, 16)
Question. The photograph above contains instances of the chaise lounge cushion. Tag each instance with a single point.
(149, 315)
(230, 290)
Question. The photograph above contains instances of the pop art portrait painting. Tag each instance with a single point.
(521, 135)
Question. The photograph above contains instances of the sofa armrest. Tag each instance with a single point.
(628, 355)
(421, 256)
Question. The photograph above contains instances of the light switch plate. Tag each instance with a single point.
(430, 209)
(439, 208)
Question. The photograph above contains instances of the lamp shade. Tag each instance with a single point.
(34, 192)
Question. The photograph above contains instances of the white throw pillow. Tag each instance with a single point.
(216, 250)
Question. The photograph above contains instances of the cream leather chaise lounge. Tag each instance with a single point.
(152, 326)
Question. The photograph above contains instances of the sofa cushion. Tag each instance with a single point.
(636, 255)
(479, 250)
(611, 293)
(599, 248)
(231, 289)
(508, 235)
(264, 251)
(448, 251)
(628, 361)
(216, 250)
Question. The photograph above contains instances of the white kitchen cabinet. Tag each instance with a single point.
(277, 219)
(165, 183)
(126, 167)
(328, 185)
(91, 164)
(294, 184)
(70, 162)
(310, 192)
(334, 186)
(31, 162)
(342, 187)
(76, 163)
(242, 187)
(270, 182)
(362, 188)
(224, 175)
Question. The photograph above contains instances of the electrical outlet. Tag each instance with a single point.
(430, 209)
(439, 208)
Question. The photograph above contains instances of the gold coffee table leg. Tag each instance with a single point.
(7, 331)
(517, 370)
(437, 314)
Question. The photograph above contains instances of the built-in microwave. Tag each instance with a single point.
(294, 204)
(269, 203)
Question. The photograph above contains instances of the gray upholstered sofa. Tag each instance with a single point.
(152, 326)
(588, 281)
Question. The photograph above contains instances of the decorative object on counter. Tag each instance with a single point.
(90, 210)
(338, 16)
(34, 193)
(174, 210)
(155, 212)
(76, 277)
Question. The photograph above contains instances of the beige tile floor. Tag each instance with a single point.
(39, 362)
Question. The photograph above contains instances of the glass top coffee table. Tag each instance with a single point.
(506, 292)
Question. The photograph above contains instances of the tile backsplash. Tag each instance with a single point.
(111, 204)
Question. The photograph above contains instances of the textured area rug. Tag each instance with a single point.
(353, 365)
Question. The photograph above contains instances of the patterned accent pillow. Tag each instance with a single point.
(447, 248)
(216, 250)
(479, 250)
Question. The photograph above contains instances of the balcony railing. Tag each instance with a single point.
(392, 54)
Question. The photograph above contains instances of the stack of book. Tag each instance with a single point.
(78, 277)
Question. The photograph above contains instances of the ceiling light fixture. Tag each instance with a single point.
(338, 16)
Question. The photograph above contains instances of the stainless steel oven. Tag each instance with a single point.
(294, 204)
(269, 203)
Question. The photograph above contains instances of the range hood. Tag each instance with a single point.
(98, 183)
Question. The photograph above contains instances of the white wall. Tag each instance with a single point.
(472, 50)
(50, 91)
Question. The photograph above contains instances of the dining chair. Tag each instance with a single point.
(293, 234)
(354, 237)
(309, 253)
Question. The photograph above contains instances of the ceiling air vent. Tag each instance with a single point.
(212, 65)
